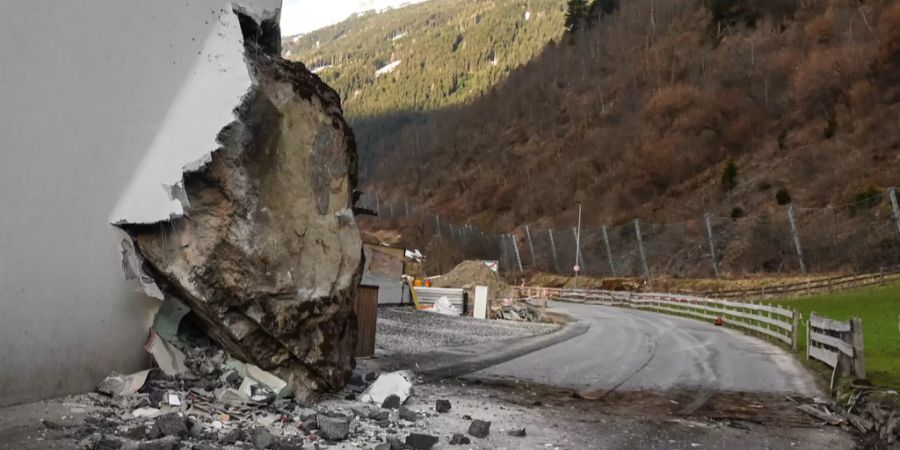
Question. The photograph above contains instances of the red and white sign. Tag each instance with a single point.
(577, 268)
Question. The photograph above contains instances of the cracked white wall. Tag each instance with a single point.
(102, 103)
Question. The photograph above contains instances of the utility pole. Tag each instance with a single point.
(530, 246)
(437, 223)
(377, 206)
(612, 267)
(797, 247)
(712, 245)
(640, 241)
(406, 207)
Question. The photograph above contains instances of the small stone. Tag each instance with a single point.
(396, 443)
(230, 437)
(480, 428)
(166, 443)
(380, 414)
(360, 410)
(260, 438)
(518, 432)
(333, 428)
(408, 414)
(391, 402)
(383, 423)
(421, 441)
(50, 425)
(170, 424)
(384, 446)
(195, 427)
(310, 424)
(460, 439)
(467, 417)
(442, 405)
(371, 376)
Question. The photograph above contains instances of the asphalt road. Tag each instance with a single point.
(630, 350)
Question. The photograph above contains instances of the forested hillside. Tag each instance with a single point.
(665, 110)
(390, 66)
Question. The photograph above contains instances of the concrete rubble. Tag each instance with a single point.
(266, 257)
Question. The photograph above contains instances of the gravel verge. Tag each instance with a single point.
(406, 331)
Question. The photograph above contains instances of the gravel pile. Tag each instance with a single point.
(403, 330)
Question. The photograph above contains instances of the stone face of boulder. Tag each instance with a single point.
(267, 253)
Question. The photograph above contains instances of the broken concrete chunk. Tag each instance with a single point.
(169, 316)
(230, 437)
(480, 428)
(391, 402)
(380, 414)
(267, 253)
(116, 384)
(169, 359)
(393, 383)
(460, 439)
(146, 413)
(408, 414)
(421, 441)
(333, 428)
(171, 424)
(231, 396)
(442, 405)
(260, 438)
(516, 432)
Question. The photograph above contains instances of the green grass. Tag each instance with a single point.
(879, 308)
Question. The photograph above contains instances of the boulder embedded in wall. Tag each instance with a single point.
(267, 253)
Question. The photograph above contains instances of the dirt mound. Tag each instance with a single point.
(469, 274)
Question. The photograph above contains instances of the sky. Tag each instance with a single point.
(302, 16)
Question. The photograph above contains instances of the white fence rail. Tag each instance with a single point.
(770, 320)
(837, 343)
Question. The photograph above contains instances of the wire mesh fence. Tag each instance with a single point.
(860, 237)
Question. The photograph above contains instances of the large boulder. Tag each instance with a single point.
(267, 253)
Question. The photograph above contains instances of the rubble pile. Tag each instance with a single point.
(870, 411)
(519, 312)
(267, 254)
(208, 407)
(469, 274)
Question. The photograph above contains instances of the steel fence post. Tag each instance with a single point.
(797, 246)
(516, 248)
(712, 245)
(640, 241)
(530, 246)
(612, 267)
(553, 250)
(895, 206)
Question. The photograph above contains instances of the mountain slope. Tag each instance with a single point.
(427, 55)
(640, 116)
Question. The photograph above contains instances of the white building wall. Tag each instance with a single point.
(85, 88)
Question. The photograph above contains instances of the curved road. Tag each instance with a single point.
(630, 350)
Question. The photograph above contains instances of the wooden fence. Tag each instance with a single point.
(366, 308)
(839, 344)
(769, 320)
(809, 287)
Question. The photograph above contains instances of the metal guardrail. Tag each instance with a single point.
(770, 320)
(837, 343)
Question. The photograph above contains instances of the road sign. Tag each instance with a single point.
(577, 268)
